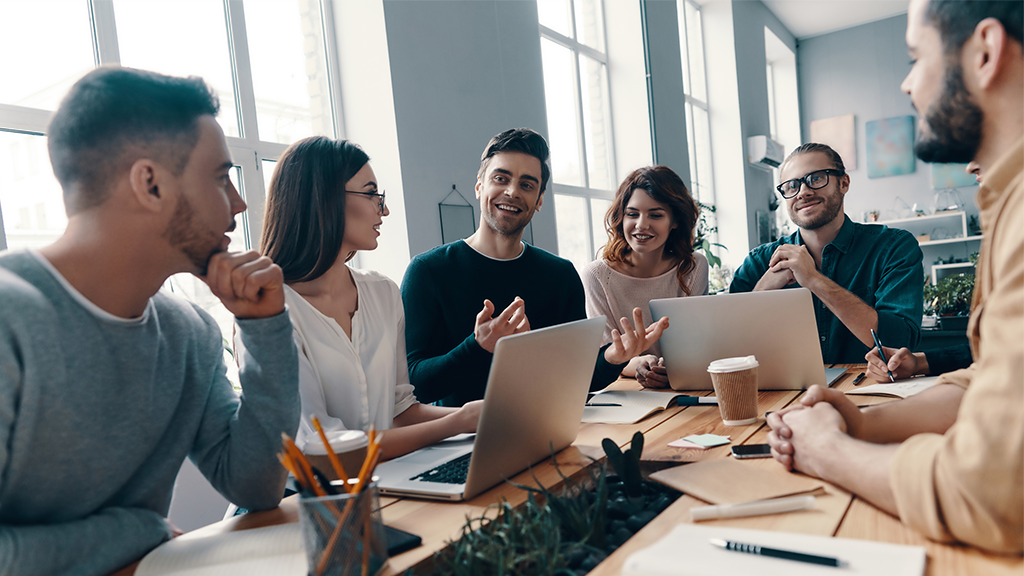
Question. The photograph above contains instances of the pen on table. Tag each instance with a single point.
(858, 379)
(882, 354)
(757, 508)
(777, 553)
(696, 400)
(601, 404)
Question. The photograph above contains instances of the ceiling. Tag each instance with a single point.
(807, 18)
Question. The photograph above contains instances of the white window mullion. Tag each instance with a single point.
(242, 70)
(106, 51)
(333, 72)
(580, 121)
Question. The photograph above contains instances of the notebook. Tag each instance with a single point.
(728, 481)
(904, 389)
(536, 390)
(776, 326)
(273, 550)
(687, 551)
(634, 405)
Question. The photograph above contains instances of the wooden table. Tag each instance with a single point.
(838, 513)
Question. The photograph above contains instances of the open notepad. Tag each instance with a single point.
(687, 551)
(634, 405)
(903, 389)
(270, 551)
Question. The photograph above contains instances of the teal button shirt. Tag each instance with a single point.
(879, 265)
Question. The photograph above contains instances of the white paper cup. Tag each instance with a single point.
(349, 445)
(735, 382)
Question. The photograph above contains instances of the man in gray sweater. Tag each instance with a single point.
(106, 384)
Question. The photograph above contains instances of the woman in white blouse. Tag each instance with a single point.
(649, 255)
(323, 204)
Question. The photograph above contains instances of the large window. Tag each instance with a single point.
(696, 101)
(267, 60)
(579, 123)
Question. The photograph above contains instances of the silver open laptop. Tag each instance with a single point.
(534, 402)
(776, 326)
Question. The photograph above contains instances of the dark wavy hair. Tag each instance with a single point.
(665, 187)
(304, 222)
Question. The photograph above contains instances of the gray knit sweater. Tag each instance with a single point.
(97, 415)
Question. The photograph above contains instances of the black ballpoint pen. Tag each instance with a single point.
(858, 379)
(882, 354)
(776, 553)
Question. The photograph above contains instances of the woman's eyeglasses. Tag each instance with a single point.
(380, 206)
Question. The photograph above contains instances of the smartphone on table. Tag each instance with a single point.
(752, 451)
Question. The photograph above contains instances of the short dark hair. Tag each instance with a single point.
(304, 221)
(956, 19)
(112, 110)
(664, 186)
(519, 140)
(833, 156)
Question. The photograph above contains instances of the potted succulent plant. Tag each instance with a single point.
(950, 299)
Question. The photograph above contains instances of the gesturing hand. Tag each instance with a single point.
(633, 340)
(249, 285)
(489, 330)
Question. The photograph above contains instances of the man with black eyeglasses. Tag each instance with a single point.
(864, 277)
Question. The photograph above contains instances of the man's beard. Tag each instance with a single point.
(510, 230)
(184, 234)
(951, 130)
(833, 204)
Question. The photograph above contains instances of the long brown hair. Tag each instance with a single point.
(304, 222)
(665, 187)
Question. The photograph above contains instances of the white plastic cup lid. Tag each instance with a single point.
(733, 364)
(341, 441)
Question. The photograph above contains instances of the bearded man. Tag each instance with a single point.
(863, 276)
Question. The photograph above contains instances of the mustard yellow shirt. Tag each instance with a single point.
(968, 484)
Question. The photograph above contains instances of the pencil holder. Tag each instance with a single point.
(343, 535)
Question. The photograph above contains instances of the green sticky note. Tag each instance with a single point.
(707, 440)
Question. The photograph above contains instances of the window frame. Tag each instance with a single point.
(587, 192)
(247, 151)
(698, 181)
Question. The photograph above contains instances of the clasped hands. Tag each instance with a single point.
(803, 435)
(789, 263)
(627, 343)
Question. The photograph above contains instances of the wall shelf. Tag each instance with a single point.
(940, 271)
(954, 223)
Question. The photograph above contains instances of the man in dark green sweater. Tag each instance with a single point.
(452, 293)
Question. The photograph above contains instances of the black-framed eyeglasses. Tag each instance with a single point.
(380, 206)
(815, 181)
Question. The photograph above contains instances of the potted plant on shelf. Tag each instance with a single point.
(950, 299)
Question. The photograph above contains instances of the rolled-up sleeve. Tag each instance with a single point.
(968, 485)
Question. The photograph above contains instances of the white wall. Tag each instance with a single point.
(738, 101)
(461, 72)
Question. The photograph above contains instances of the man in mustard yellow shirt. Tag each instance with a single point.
(949, 461)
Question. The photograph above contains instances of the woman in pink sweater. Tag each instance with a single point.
(649, 255)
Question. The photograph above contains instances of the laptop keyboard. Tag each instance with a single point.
(451, 472)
